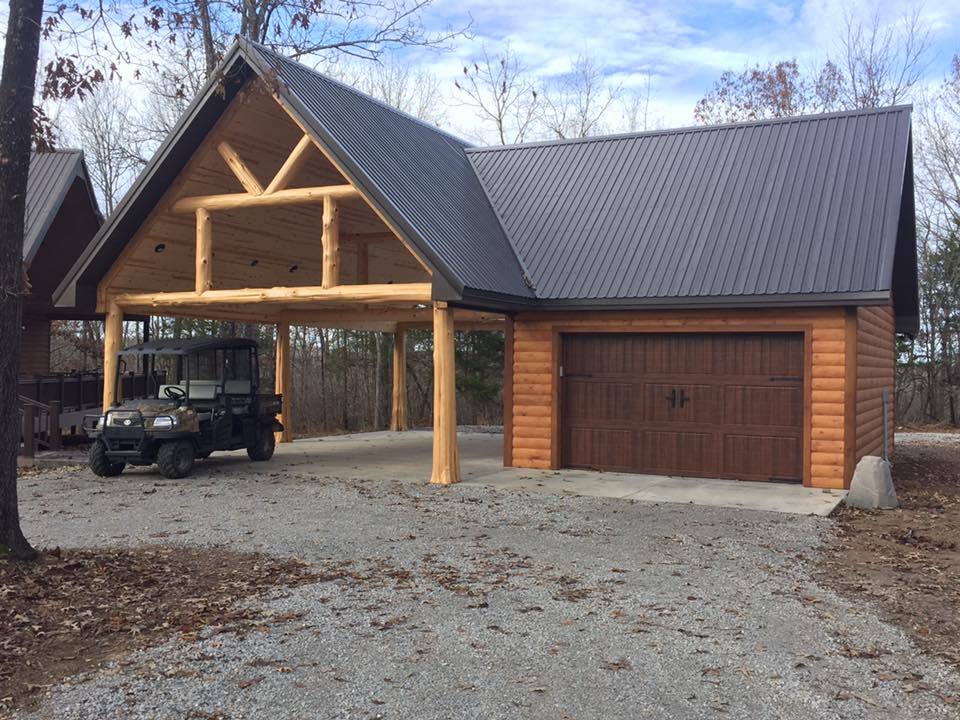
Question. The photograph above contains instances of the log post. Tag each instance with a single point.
(398, 420)
(112, 339)
(331, 243)
(204, 279)
(446, 459)
(282, 381)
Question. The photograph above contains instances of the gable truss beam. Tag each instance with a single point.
(239, 169)
(291, 166)
(293, 196)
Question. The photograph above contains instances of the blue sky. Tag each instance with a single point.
(684, 45)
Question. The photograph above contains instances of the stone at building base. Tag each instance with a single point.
(872, 485)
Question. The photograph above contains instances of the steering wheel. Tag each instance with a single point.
(174, 392)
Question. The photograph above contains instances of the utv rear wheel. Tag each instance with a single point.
(175, 459)
(263, 446)
(100, 462)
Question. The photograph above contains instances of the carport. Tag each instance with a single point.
(252, 212)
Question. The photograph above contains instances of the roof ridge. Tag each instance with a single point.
(402, 113)
(472, 150)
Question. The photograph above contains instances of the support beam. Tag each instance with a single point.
(446, 459)
(291, 166)
(331, 243)
(204, 276)
(112, 339)
(292, 196)
(239, 169)
(282, 381)
(401, 293)
(398, 420)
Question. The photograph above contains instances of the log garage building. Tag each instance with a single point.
(718, 301)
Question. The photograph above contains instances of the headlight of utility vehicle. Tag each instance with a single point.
(163, 422)
(100, 421)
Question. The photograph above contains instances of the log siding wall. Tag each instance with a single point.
(876, 368)
(34, 347)
(536, 346)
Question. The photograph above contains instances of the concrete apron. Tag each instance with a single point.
(407, 456)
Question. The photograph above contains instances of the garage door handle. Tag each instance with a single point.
(683, 398)
(672, 397)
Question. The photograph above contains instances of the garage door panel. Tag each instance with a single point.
(678, 452)
(759, 354)
(599, 448)
(673, 355)
(672, 403)
(763, 405)
(713, 405)
(600, 355)
(598, 401)
(762, 457)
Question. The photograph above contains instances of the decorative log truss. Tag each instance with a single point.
(397, 306)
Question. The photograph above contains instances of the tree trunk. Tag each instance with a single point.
(17, 86)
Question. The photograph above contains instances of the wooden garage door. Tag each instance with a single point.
(708, 405)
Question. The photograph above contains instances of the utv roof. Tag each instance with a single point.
(187, 346)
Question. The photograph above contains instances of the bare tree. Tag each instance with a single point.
(502, 94)
(882, 62)
(772, 91)
(575, 103)
(101, 124)
(636, 108)
(359, 28)
(397, 83)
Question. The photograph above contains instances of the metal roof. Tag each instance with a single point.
(50, 177)
(185, 346)
(418, 174)
(794, 211)
(806, 206)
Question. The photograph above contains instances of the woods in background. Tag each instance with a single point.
(341, 378)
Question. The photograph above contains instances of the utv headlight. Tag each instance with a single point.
(100, 422)
(163, 422)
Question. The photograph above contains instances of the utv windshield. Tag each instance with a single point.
(202, 375)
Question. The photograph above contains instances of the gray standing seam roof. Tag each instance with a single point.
(419, 172)
(800, 206)
(799, 210)
(49, 179)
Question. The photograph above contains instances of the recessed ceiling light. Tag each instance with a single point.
(254, 263)
(294, 268)
(159, 247)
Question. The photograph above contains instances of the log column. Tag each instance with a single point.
(204, 277)
(282, 380)
(112, 339)
(446, 459)
(331, 242)
(398, 420)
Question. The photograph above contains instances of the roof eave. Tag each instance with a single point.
(488, 301)
(65, 295)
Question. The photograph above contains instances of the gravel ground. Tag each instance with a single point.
(937, 438)
(469, 603)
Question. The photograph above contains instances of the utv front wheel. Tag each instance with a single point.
(100, 462)
(175, 458)
(262, 448)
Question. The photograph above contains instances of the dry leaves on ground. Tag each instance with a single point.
(907, 560)
(72, 609)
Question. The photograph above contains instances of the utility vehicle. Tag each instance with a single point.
(202, 396)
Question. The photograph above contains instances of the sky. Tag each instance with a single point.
(681, 45)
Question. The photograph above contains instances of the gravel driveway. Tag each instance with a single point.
(471, 603)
